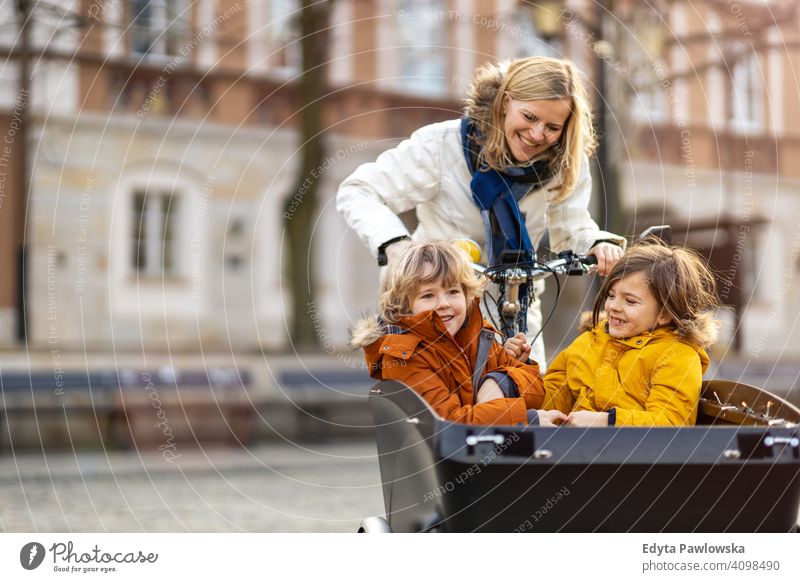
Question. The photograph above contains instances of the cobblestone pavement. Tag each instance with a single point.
(266, 488)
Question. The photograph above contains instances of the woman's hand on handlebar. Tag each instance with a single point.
(607, 255)
(518, 347)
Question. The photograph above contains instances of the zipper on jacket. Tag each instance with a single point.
(450, 338)
(469, 369)
(469, 365)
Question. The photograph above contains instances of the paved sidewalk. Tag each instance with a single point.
(267, 488)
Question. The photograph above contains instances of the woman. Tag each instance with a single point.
(515, 166)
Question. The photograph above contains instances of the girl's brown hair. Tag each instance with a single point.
(449, 263)
(679, 280)
(532, 78)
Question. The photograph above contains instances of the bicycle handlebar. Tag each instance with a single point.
(512, 276)
(567, 263)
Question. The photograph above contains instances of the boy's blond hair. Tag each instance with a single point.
(449, 263)
(681, 283)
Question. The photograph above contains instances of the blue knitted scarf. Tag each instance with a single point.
(497, 195)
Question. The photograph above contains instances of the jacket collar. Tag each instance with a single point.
(429, 325)
(658, 334)
(637, 341)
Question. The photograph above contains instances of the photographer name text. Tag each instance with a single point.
(660, 549)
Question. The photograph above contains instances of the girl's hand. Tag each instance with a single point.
(489, 390)
(607, 255)
(587, 418)
(518, 347)
(551, 417)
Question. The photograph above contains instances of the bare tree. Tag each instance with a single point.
(59, 19)
(301, 203)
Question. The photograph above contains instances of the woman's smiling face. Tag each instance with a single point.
(531, 127)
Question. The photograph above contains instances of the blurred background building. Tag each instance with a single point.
(151, 152)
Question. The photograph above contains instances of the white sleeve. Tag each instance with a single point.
(401, 178)
(570, 224)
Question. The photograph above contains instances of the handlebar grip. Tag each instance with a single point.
(589, 260)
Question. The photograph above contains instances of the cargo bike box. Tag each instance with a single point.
(738, 470)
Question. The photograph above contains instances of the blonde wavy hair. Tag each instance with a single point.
(449, 262)
(530, 79)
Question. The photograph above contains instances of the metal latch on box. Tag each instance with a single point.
(793, 442)
(760, 446)
(508, 444)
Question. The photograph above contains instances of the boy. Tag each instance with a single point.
(431, 337)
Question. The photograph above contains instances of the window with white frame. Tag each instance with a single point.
(422, 38)
(525, 39)
(747, 91)
(159, 28)
(153, 230)
(646, 68)
(285, 48)
(650, 99)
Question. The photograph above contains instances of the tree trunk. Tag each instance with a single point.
(22, 208)
(301, 203)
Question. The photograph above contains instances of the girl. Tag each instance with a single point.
(512, 169)
(431, 337)
(642, 361)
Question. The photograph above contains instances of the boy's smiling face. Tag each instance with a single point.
(631, 307)
(449, 302)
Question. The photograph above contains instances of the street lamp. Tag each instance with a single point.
(547, 18)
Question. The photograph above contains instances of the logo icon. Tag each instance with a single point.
(31, 555)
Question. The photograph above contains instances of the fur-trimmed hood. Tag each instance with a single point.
(481, 94)
(366, 331)
(701, 332)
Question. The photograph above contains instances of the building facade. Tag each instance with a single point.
(711, 93)
(162, 143)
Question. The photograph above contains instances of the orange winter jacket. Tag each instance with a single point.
(425, 357)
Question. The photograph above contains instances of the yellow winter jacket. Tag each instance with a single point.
(648, 380)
